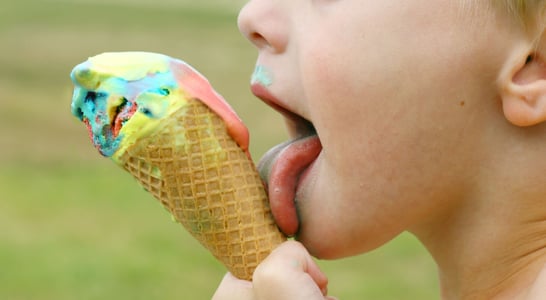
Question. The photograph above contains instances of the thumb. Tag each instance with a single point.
(232, 288)
(289, 272)
(538, 290)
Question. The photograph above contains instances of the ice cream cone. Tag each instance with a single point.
(209, 184)
(162, 121)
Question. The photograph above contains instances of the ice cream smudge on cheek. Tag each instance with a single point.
(122, 97)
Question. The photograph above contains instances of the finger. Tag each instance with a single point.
(232, 288)
(289, 272)
(309, 266)
(538, 290)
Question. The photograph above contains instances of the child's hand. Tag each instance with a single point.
(288, 272)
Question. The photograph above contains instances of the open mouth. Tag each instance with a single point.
(284, 170)
(297, 125)
(284, 167)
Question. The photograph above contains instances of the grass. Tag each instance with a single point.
(74, 226)
(82, 235)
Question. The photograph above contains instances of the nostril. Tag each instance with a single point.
(271, 41)
(256, 36)
(258, 40)
(264, 25)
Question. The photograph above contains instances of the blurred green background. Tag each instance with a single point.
(74, 225)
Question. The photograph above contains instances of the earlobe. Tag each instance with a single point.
(523, 88)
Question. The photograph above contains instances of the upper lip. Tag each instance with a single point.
(299, 126)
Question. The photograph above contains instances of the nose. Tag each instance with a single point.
(264, 23)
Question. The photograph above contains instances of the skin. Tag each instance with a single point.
(431, 118)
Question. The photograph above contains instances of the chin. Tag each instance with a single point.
(323, 246)
(334, 246)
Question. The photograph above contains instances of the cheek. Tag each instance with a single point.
(331, 87)
(390, 124)
(375, 124)
(348, 85)
(349, 101)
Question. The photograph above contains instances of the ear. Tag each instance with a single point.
(523, 85)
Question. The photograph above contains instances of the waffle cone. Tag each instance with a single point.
(209, 184)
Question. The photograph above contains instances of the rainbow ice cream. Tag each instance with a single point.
(122, 96)
(162, 121)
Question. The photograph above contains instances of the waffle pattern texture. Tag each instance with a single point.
(210, 186)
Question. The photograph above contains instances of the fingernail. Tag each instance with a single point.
(324, 290)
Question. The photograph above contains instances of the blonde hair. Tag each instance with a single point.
(529, 12)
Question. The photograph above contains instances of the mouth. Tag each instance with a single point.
(285, 167)
(297, 125)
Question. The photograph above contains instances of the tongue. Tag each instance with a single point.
(281, 169)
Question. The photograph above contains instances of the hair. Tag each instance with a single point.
(529, 12)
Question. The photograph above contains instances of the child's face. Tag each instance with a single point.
(393, 89)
